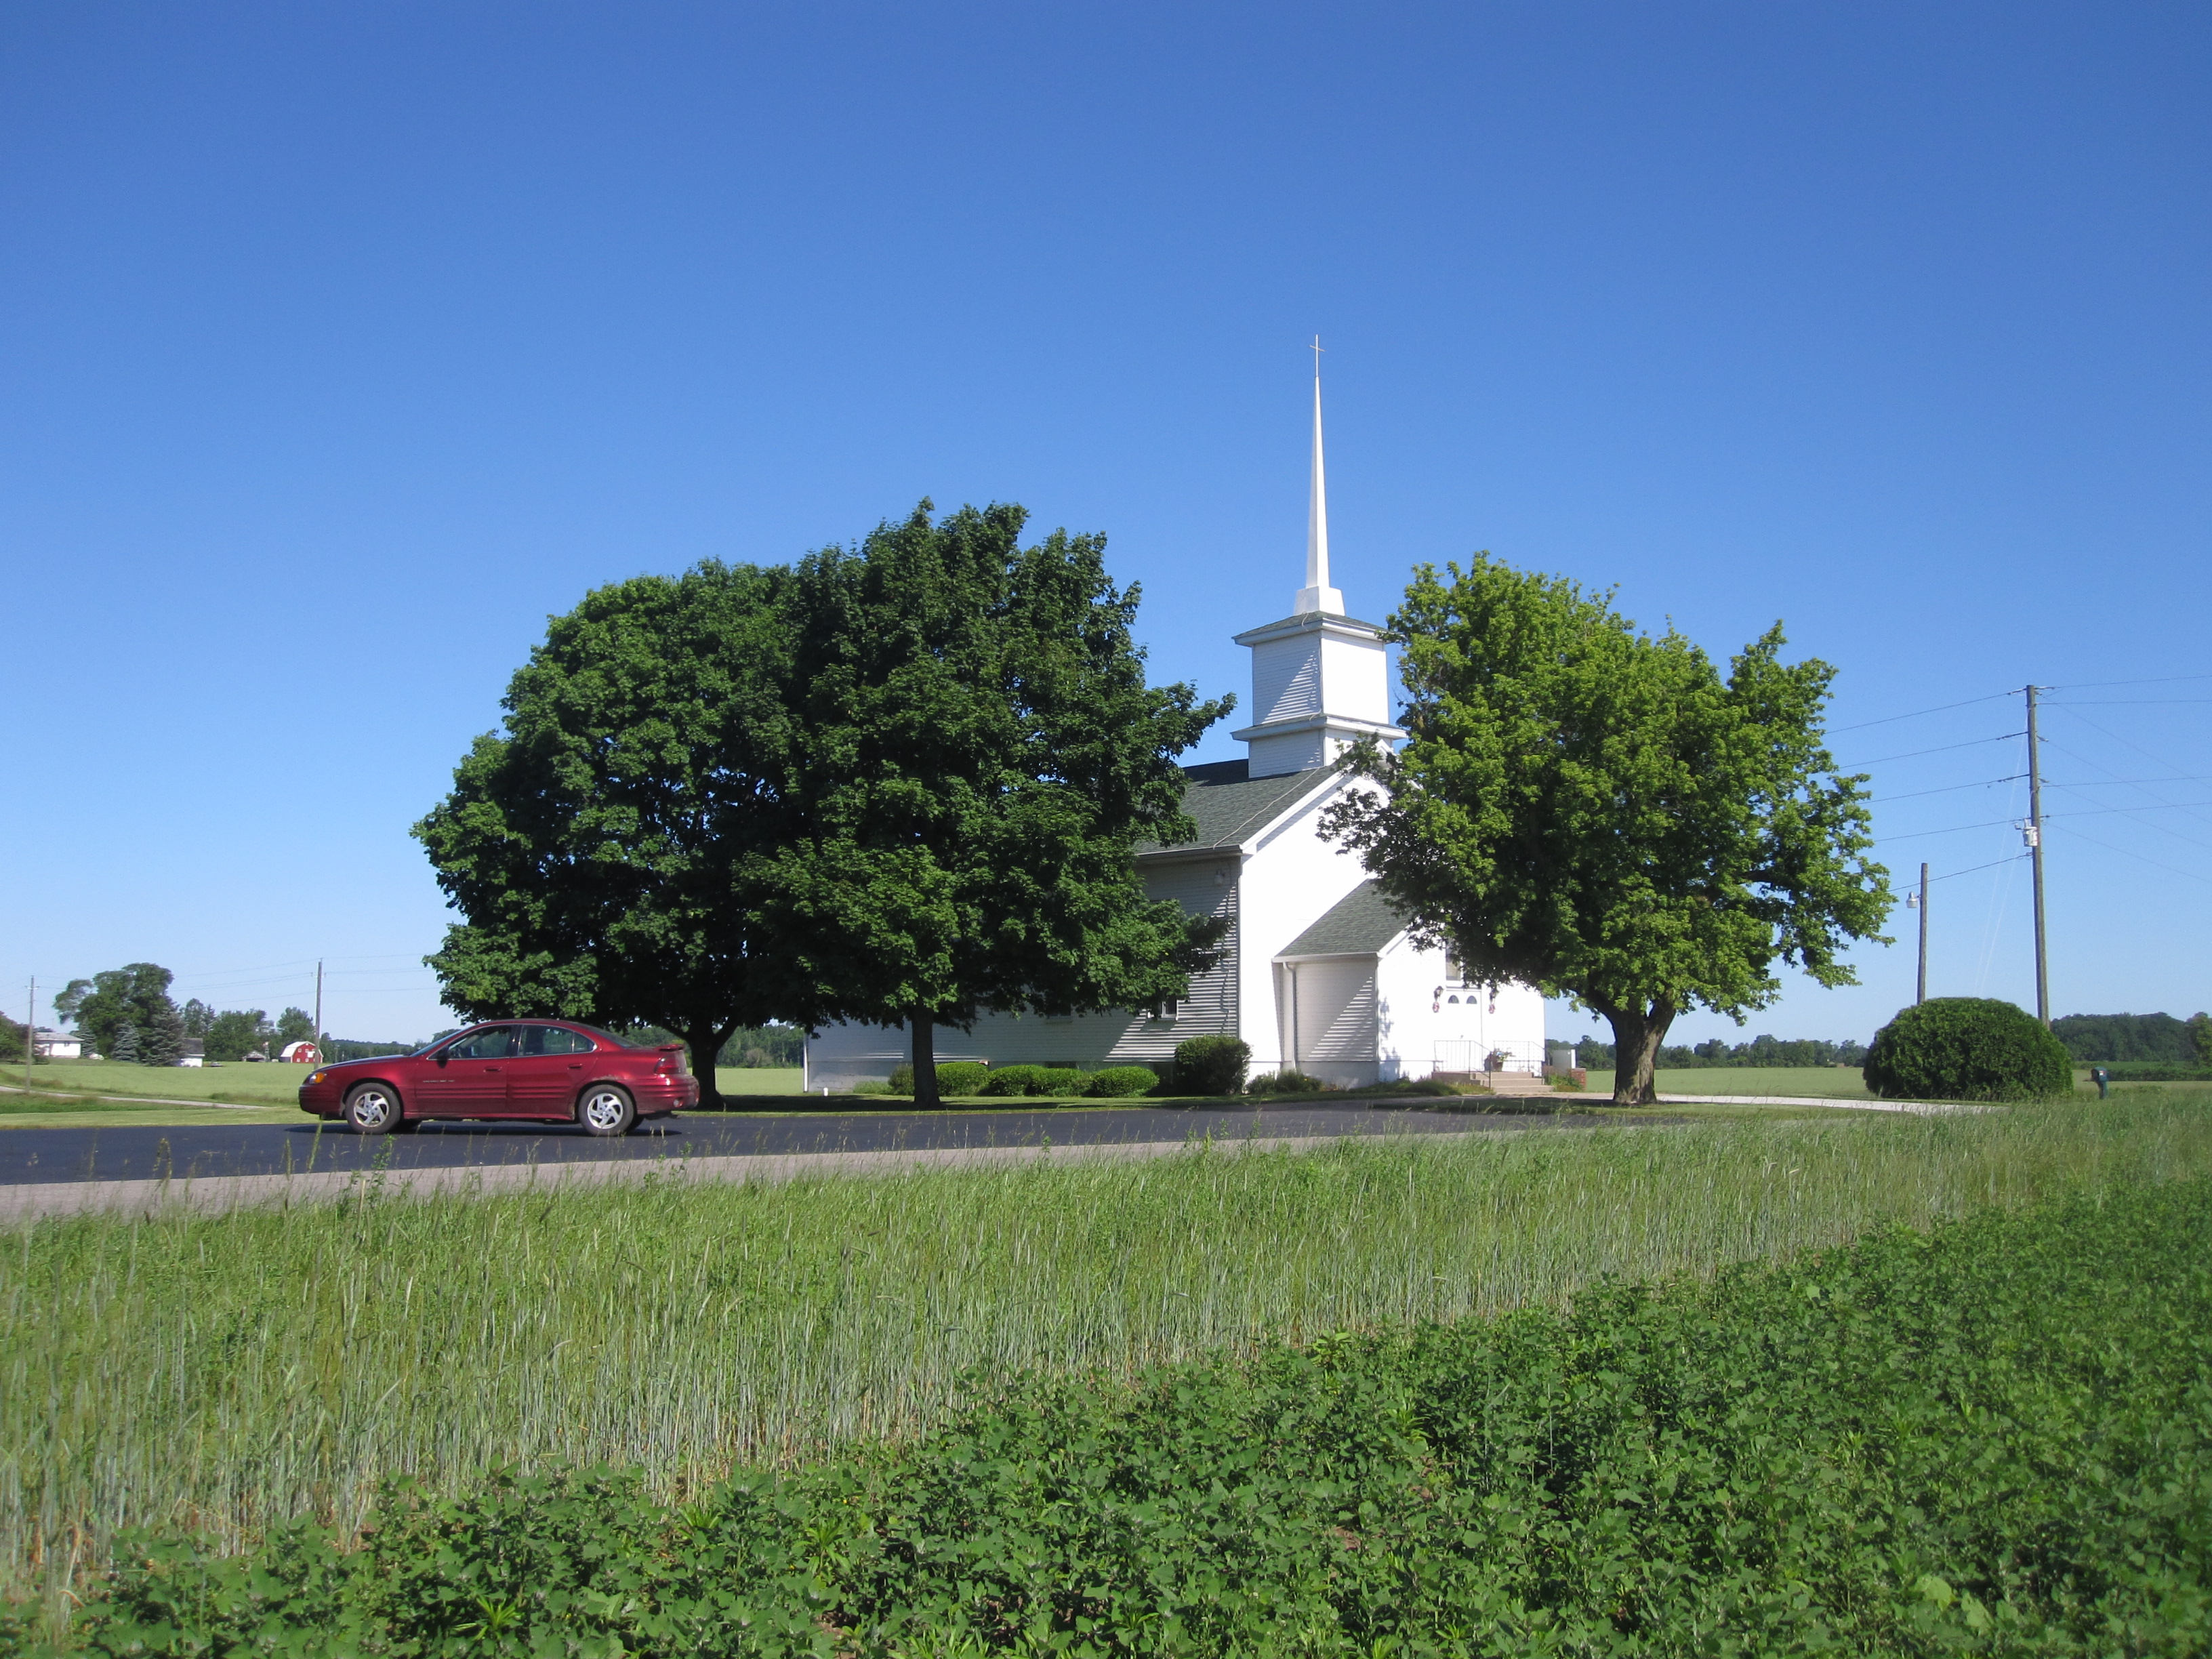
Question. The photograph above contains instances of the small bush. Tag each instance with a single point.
(1015, 1080)
(1211, 1065)
(1060, 1080)
(1288, 1081)
(1119, 1082)
(954, 1077)
(1565, 1081)
(1967, 1048)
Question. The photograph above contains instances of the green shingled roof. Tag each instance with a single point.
(1230, 806)
(1360, 924)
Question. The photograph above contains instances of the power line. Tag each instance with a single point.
(1948, 788)
(2189, 839)
(2085, 812)
(1972, 869)
(2124, 742)
(1939, 749)
(2131, 703)
(2099, 685)
(2176, 869)
(1889, 720)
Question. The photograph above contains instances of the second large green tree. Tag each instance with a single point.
(1604, 815)
(982, 756)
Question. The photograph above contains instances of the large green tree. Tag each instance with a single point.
(615, 851)
(1600, 814)
(982, 755)
(136, 994)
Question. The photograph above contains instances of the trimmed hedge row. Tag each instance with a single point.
(969, 1077)
(1996, 1438)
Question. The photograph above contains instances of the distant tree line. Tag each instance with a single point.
(753, 1046)
(2096, 1038)
(1760, 1051)
(127, 1014)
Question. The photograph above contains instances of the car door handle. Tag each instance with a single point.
(577, 1065)
(491, 1068)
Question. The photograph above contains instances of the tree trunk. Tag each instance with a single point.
(1637, 1033)
(925, 1057)
(705, 1042)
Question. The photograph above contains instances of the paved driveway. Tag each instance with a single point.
(134, 1152)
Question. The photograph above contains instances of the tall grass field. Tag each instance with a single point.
(222, 1374)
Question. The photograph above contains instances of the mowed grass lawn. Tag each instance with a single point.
(224, 1373)
(1843, 1082)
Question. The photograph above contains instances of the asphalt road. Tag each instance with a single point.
(134, 1152)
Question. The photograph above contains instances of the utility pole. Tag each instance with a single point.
(31, 1035)
(319, 999)
(1920, 995)
(2033, 831)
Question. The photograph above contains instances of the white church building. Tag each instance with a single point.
(1317, 973)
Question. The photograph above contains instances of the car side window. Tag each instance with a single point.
(554, 1040)
(497, 1043)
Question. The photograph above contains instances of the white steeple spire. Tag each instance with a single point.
(1317, 594)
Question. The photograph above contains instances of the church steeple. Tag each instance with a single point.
(1320, 680)
(1317, 594)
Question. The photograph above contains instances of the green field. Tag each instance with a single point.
(1990, 1437)
(1840, 1081)
(265, 1084)
(226, 1372)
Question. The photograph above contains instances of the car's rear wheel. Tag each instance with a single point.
(371, 1109)
(606, 1111)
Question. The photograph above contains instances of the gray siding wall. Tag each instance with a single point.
(844, 1055)
(1210, 1009)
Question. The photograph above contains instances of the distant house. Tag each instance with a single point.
(47, 1043)
(301, 1054)
(193, 1052)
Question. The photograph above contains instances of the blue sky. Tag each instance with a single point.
(343, 344)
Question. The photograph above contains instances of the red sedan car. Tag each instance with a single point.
(546, 1071)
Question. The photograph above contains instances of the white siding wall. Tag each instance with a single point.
(1327, 1017)
(1292, 878)
(1419, 1030)
(1356, 676)
(845, 1054)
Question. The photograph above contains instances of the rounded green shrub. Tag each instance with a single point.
(1285, 1082)
(1120, 1082)
(1015, 1080)
(1060, 1080)
(1210, 1065)
(1967, 1048)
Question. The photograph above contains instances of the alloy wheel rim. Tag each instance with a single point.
(369, 1110)
(604, 1111)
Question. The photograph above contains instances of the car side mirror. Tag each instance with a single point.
(441, 1060)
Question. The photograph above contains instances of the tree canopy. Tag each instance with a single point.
(981, 757)
(616, 850)
(1599, 813)
(135, 995)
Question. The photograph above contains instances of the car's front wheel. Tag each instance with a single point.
(371, 1109)
(606, 1111)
